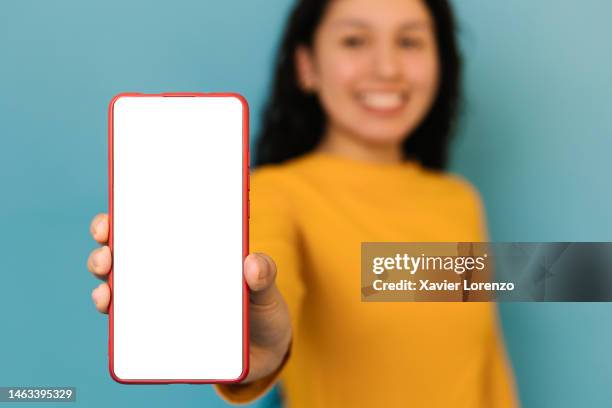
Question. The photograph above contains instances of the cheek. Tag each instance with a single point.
(422, 74)
(337, 77)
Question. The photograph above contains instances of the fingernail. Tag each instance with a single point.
(249, 266)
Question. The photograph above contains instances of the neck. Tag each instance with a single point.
(341, 143)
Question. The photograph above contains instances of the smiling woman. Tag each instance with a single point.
(364, 101)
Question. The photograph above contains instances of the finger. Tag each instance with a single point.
(101, 297)
(99, 262)
(260, 274)
(99, 228)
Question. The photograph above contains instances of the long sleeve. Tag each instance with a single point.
(273, 231)
(501, 388)
(498, 375)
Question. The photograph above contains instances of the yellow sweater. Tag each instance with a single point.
(311, 215)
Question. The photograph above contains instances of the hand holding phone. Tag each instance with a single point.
(178, 233)
(270, 331)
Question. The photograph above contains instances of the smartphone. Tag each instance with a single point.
(178, 210)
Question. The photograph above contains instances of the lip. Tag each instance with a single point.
(382, 102)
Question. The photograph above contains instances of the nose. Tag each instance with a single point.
(387, 62)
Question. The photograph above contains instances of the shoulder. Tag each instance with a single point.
(456, 188)
(467, 192)
(468, 202)
(281, 176)
(463, 187)
(269, 173)
(275, 185)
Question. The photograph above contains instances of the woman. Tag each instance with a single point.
(353, 149)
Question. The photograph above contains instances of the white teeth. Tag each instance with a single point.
(381, 100)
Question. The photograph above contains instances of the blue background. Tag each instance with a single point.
(535, 139)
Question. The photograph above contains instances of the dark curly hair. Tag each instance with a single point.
(294, 121)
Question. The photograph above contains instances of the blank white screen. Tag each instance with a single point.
(177, 250)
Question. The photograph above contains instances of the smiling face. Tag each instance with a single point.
(374, 66)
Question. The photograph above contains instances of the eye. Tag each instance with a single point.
(353, 41)
(410, 42)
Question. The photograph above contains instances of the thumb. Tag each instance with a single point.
(260, 273)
